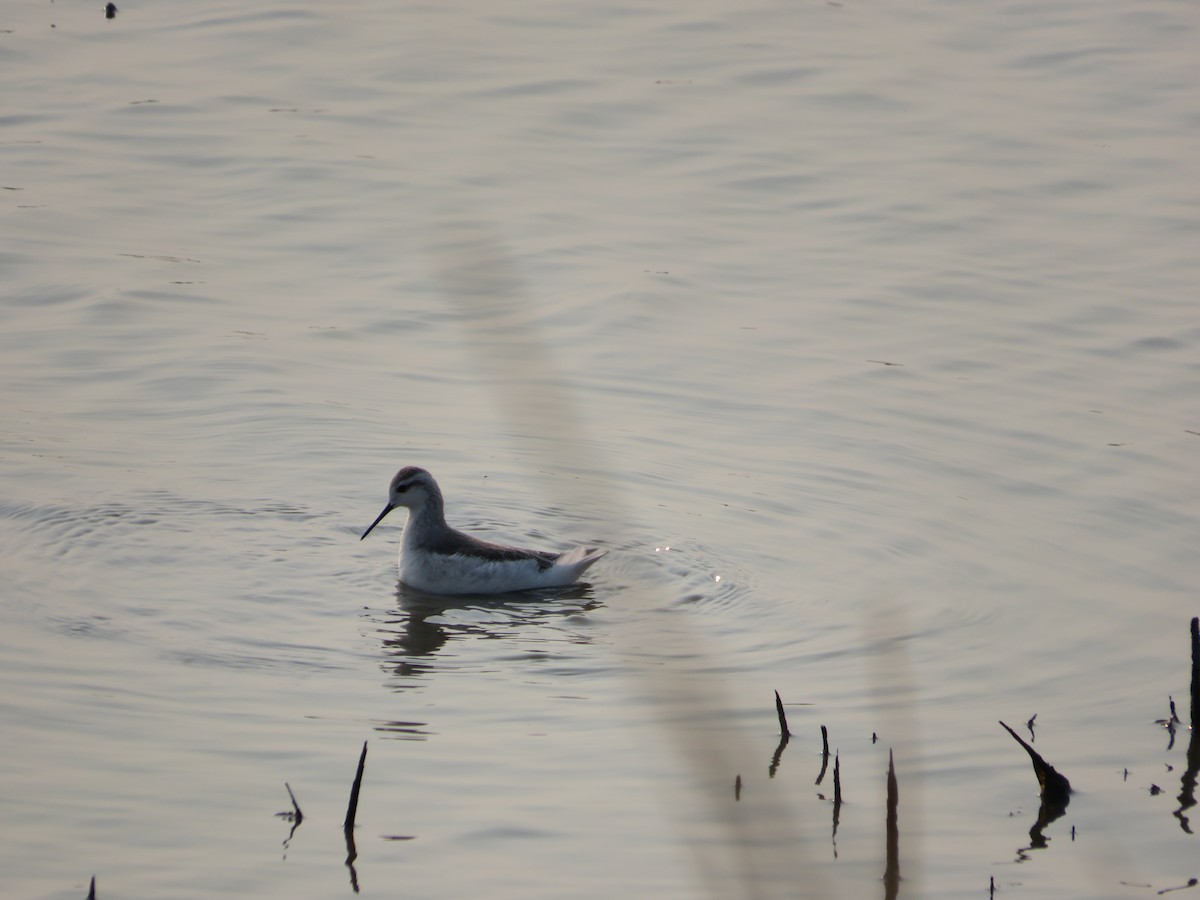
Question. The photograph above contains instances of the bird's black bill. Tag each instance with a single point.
(387, 509)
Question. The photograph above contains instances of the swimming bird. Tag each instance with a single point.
(442, 560)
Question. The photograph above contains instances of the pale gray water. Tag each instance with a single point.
(884, 321)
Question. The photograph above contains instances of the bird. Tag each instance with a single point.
(438, 559)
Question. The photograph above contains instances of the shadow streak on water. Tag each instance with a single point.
(739, 853)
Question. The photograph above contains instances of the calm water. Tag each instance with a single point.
(866, 339)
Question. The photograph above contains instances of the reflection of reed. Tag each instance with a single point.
(777, 756)
(1187, 782)
(351, 856)
(837, 800)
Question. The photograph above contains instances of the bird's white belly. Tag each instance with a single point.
(462, 574)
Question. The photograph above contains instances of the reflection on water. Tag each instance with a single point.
(399, 730)
(1187, 786)
(426, 622)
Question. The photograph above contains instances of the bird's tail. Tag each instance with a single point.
(580, 558)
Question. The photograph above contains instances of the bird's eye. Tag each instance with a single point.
(401, 488)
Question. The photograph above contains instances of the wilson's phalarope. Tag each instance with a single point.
(436, 558)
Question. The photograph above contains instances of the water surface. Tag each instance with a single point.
(865, 339)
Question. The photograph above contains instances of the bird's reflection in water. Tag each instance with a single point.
(423, 624)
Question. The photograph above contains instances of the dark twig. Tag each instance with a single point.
(1055, 791)
(1055, 787)
(737, 788)
(783, 725)
(92, 889)
(1191, 883)
(1195, 674)
(1187, 782)
(824, 754)
(295, 816)
(891, 872)
(299, 816)
(352, 810)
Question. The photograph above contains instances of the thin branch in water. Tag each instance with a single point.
(1191, 883)
(1055, 787)
(824, 754)
(783, 725)
(299, 816)
(1055, 795)
(92, 889)
(1195, 673)
(891, 872)
(737, 788)
(1187, 782)
(352, 810)
(295, 817)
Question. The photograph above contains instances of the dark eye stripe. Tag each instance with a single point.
(401, 488)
